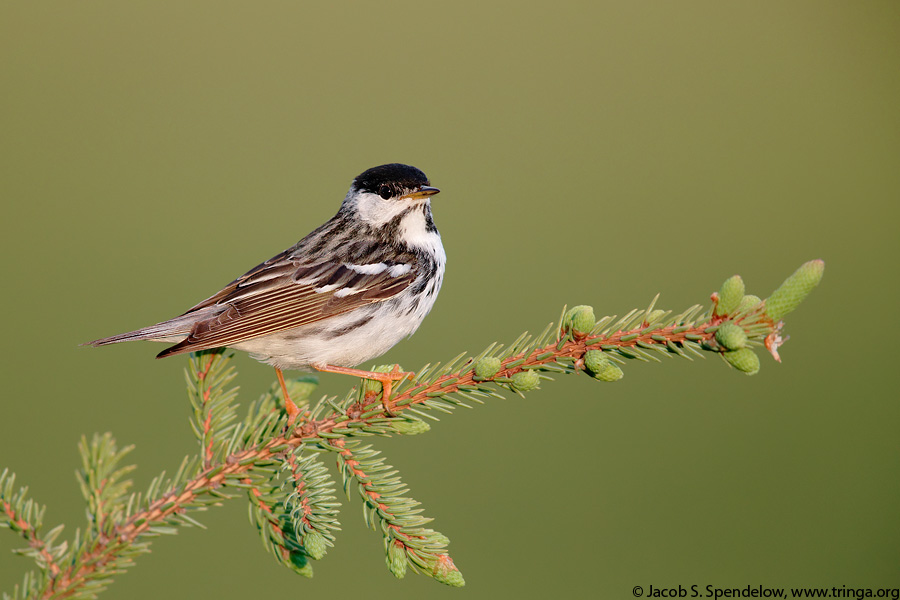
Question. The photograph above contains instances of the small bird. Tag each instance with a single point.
(344, 294)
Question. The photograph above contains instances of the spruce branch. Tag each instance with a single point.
(406, 542)
(214, 408)
(278, 536)
(311, 505)
(290, 490)
(102, 480)
(24, 516)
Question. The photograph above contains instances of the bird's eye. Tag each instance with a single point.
(385, 191)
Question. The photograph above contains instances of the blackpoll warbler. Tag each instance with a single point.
(344, 294)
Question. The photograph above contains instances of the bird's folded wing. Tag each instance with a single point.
(279, 295)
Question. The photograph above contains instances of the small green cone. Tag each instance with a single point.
(301, 565)
(487, 367)
(580, 320)
(414, 427)
(314, 544)
(610, 372)
(600, 367)
(748, 302)
(744, 360)
(731, 336)
(447, 573)
(794, 289)
(396, 559)
(730, 295)
(594, 360)
(525, 381)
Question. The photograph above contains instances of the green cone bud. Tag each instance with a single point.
(748, 302)
(526, 380)
(410, 427)
(794, 289)
(731, 336)
(580, 320)
(446, 572)
(608, 371)
(743, 360)
(730, 295)
(314, 544)
(301, 565)
(396, 559)
(595, 360)
(600, 367)
(487, 367)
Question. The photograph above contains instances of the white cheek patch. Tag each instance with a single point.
(376, 211)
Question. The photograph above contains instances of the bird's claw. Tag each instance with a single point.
(387, 380)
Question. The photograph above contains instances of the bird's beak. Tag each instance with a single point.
(423, 192)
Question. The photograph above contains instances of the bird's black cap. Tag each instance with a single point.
(396, 175)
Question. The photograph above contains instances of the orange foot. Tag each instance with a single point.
(289, 406)
(386, 380)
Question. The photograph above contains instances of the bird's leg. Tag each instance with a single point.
(386, 380)
(289, 405)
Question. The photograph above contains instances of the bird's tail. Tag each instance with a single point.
(171, 331)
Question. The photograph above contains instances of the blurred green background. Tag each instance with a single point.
(588, 152)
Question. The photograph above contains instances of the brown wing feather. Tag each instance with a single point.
(269, 299)
(278, 264)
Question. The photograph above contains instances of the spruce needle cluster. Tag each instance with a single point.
(282, 469)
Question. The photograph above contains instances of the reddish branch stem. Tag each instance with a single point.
(300, 486)
(207, 423)
(273, 522)
(29, 532)
(67, 582)
(373, 496)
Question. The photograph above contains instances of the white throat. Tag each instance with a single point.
(414, 232)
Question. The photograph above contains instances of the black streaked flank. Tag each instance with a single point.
(430, 227)
(427, 266)
(330, 335)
